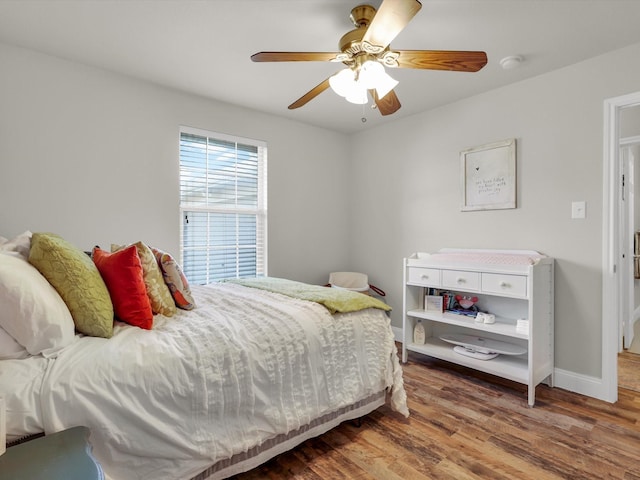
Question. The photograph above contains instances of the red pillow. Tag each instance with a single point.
(122, 273)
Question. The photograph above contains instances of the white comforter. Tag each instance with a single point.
(243, 367)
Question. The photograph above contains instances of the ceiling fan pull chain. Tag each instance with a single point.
(364, 118)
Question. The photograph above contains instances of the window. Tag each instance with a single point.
(223, 204)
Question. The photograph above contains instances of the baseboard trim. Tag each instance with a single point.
(582, 384)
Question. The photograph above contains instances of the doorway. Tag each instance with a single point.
(618, 283)
(629, 341)
(629, 236)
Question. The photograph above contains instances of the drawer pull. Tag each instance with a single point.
(425, 277)
(504, 284)
(460, 280)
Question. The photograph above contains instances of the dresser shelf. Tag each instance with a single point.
(511, 367)
(503, 326)
(519, 288)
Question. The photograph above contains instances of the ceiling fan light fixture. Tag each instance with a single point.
(358, 96)
(374, 76)
(370, 74)
(385, 84)
(343, 82)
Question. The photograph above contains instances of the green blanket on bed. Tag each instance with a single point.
(334, 299)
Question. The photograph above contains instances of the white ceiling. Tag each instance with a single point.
(203, 47)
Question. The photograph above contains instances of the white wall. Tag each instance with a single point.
(630, 122)
(410, 171)
(93, 156)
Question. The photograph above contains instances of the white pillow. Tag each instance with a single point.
(9, 348)
(32, 311)
(18, 246)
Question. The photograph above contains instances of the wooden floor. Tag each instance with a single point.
(467, 425)
(629, 370)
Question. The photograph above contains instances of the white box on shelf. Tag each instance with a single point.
(522, 325)
(433, 303)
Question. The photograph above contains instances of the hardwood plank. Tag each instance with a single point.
(469, 425)
(628, 368)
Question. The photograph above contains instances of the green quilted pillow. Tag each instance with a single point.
(76, 278)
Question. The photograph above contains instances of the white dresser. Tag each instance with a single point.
(510, 284)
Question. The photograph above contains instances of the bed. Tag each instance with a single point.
(249, 373)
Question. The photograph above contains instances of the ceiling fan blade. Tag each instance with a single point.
(458, 61)
(310, 95)
(293, 56)
(390, 19)
(388, 104)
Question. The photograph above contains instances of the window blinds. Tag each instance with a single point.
(223, 206)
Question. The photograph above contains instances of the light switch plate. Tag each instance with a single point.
(578, 209)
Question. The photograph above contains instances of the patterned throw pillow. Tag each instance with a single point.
(122, 272)
(157, 291)
(77, 280)
(175, 280)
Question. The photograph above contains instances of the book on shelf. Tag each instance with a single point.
(449, 300)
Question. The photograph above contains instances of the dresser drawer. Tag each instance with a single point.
(511, 285)
(424, 276)
(461, 280)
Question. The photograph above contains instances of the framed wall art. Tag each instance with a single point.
(488, 176)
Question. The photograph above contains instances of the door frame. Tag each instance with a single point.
(612, 281)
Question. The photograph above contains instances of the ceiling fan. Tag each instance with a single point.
(366, 49)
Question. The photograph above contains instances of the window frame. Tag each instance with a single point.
(260, 210)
